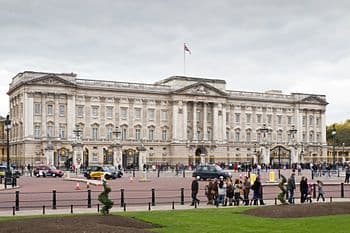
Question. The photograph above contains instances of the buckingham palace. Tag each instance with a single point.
(60, 119)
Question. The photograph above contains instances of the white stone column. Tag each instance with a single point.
(49, 156)
(323, 128)
(43, 116)
(28, 115)
(77, 155)
(293, 155)
(71, 117)
(205, 121)
(184, 113)
(117, 156)
(194, 123)
(175, 121)
(224, 123)
(142, 159)
(266, 155)
(215, 122)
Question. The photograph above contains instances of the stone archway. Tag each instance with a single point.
(200, 155)
(130, 159)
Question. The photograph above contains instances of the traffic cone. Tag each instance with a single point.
(131, 179)
(77, 187)
(88, 185)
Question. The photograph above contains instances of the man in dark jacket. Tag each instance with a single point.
(291, 188)
(194, 189)
(303, 189)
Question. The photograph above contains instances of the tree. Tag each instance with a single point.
(342, 136)
(104, 199)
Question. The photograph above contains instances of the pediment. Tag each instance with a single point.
(51, 80)
(200, 88)
(313, 100)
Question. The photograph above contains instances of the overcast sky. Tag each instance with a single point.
(293, 46)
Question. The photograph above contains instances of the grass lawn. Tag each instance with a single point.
(231, 220)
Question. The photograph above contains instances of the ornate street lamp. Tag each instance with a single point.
(264, 130)
(334, 132)
(8, 175)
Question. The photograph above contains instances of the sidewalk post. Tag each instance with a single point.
(17, 200)
(89, 199)
(183, 173)
(182, 197)
(153, 197)
(54, 199)
(121, 197)
(314, 189)
(342, 190)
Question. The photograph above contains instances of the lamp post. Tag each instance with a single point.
(334, 132)
(343, 154)
(8, 175)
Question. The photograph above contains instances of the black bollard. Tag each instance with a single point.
(182, 197)
(183, 173)
(173, 206)
(54, 199)
(43, 210)
(13, 211)
(121, 197)
(89, 199)
(342, 190)
(158, 172)
(71, 209)
(98, 208)
(149, 206)
(275, 201)
(153, 197)
(124, 207)
(314, 191)
(133, 172)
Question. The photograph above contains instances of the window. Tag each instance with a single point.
(50, 109)
(318, 137)
(249, 136)
(94, 157)
(210, 135)
(269, 119)
(95, 111)
(151, 134)
(137, 113)
(37, 131)
(137, 134)
(62, 109)
(279, 119)
(209, 116)
(304, 120)
(198, 135)
(279, 136)
(227, 118)
(317, 121)
(109, 133)
(311, 119)
(124, 133)
(258, 137)
(62, 131)
(94, 133)
(50, 131)
(109, 112)
(258, 118)
(151, 114)
(80, 111)
(238, 117)
(311, 137)
(124, 113)
(237, 136)
(198, 116)
(289, 119)
(304, 136)
(164, 115)
(164, 134)
(248, 117)
(37, 108)
(227, 135)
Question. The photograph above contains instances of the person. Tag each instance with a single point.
(291, 187)
(246, 190)
(347, 174)
(237, 191)
(310, 188)
(209, 192)
(194, 189)
(257, 191)
(299, 169)
(29, 169)
(221, 191)
(320, 190)
(229, 192)
(303, 189)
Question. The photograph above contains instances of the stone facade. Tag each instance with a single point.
(178, 119)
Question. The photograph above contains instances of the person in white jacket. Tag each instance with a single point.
(221, 191)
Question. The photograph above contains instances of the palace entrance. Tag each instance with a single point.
(107, 157)
(201, 155)
(280, 156)
(130, 159)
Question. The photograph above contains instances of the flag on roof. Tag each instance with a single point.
(187, 49)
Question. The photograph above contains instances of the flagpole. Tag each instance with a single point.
(184, 60)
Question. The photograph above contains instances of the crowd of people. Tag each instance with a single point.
(227, 192)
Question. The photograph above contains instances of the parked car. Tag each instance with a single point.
(107, 172)
(15, 172)
(47, 170)
(210, 171)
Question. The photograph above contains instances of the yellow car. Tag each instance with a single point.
(2, 171)
(96, 172)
